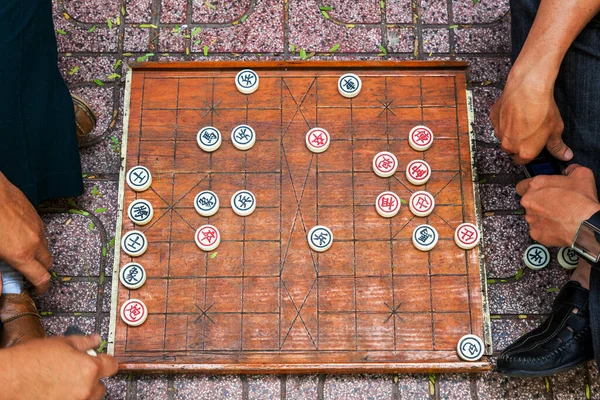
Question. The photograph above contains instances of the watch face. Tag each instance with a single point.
(587, 241)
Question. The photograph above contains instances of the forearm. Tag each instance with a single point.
(556, 26)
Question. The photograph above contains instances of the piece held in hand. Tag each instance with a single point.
(387, 204)
(420, 138)
(134, 312)
(209, 139)
(140, 212)
(349, 85)
(317, 140)
(74, 330)
(247, 81)
(132, 275)
(536, 256)
(467, 236)
(418, 172)
(567, 258)
(425, 237)
(139, 178)
(243, 203)
(421, 203)
(134, 243)
(385, 164)
(320, 238)
(207, 237)
(206, 203)
(243, 137)
(470, 348)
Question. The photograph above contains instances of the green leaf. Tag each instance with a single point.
(100, 348)
(244, 17)
(292, 48)
(123, 10)
(109, 22)
(403, 201)
(475, 2)
(53, 275)
(552, 290)
(92, 29)
(114, 140)
(519, 212)
(176, 29)
(325, 8)
(197, 42)
(83, 176)
(196, 31)
(587, 386)
(325, 14)
(547, 383)
(117, 64)
(103, 251)
(432, 378)
(118, 20)
(335, 47)
(205, 50)
(77, 314)
(100, 210)
(382, 4)
(44, 313)
(74, 70)
(96, 192)
(144, 26)
(382, 49)
(61, 31)
(102, 277)
(114, 76)
(213, 255)
(453, 26)
(522, 316)
(519, 274)
(484, 180)
(98, 82)
(210, 5)
(72, 203)
(144, 57)
(491, 281)
(303, 54)
(91, 226)
(79, 212)
(112, 242)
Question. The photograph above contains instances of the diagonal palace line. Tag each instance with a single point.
(403, 226)
(184, 220)
(298, 106)
(447, 223)
(155, 221)
(160, 197)
(298, 314)
(403, 184)
(192, 188)
(444, 187)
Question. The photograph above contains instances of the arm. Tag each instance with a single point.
(526, 118)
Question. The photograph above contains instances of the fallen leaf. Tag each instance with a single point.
(334, 48)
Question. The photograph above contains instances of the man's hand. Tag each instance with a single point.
(526, 119)
(23, 244)
(556, 205)
(55, 368)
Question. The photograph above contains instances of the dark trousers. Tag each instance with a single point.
(38, 143)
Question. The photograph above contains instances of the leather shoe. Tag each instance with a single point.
(20, 320)
(85, 120)
(562, 342)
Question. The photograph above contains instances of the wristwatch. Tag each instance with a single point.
(587, 239)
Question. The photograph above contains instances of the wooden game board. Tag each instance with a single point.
(262, 301)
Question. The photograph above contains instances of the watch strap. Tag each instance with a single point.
(594, 220)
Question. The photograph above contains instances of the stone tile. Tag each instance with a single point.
(414, 387)
(169, 40)
(494, 39)
(79, 39)
(69, 297)
(506, 330)
(495, 161)
(354, 12)
(505, 238)
(92, 11)
(57, 325)
(434, 11)
(152, 387)
(137, 39)
(529, 295)
(264, 387)
(101, 100)
(301, 387)
(401, 40)
(465, 12)
(398, 11)
(116, 387)
(498, 197)
(100, 199)
(207, 387)
(491, 386)
(309, 30)
(483, 99)
(593, 380)
(456, 387)
(222, 11)
(138, 11)
(358, 387)
(569, 385)
(488, 69)
(527, 388)
(86, 69)
(173, 11)
(435, 41)
(74, 247)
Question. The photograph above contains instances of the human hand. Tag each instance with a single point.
(56, 368)
(555, 205)
(23, 244)
(526, 119)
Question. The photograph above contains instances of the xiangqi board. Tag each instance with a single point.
(263, 301)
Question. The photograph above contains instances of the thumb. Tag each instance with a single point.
(558, 148)
(84, 343)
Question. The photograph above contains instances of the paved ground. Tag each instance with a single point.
(97, 38)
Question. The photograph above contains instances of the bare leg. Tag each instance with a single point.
(582, 274)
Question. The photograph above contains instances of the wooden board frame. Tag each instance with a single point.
(315, 361)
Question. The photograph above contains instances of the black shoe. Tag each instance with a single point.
(562, 342)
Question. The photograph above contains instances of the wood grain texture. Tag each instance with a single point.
(266, 302)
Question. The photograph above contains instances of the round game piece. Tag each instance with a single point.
(387, 204)
(536, 256)
(421, 203)
(320, 238)
(206, 203)
(567, 258)
(134, 243)
(132, 275)
(470, 347)
(208, 237)
(349, 85)
(134, 312)
(243, 203)
(425, 237)
(420, 138)
(317, 140)
(418, 172)
(243, 137)
(467, 236)
(247, 81)
(385, 164)
(139, 178)
(209, 139)
(140, 212)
